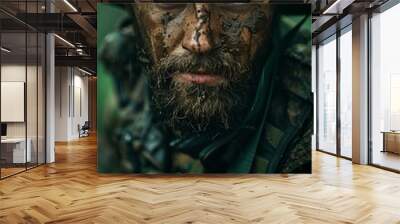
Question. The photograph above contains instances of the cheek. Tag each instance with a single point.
(245, 33)
(163, 31)
(246, 41)
(238, 42)
(157, 38)
(257, 45)
(237, 37)
(152, 31)
(245, 36)
(251, 45)
(173, 35)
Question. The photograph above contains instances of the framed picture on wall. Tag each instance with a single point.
(12, 101)
(204, 88)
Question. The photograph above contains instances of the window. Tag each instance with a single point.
(385, 89)
(346, 93)
(327, 96)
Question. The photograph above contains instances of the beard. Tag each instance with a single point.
(192, 107)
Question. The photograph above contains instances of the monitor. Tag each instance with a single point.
(3, 129)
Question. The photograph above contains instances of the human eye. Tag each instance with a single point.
(234, 6)
(170, 6)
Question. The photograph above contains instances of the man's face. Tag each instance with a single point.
(203, 58)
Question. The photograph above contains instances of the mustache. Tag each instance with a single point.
(216, 63)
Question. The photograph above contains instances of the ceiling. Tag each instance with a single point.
(331, 15)
(76, 22)
(72, 20)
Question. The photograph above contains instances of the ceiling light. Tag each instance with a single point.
(70, 5)
(80, 51)
(65, 41)
(84, 71)
(331, 7)
(5, 50)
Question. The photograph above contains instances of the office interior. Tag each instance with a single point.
(48, 125)
(42, 62)
(48, 81)
(355, 66)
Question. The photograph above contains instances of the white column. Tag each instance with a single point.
(360, 90)
(50, 92)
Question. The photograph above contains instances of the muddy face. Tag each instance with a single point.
(203, 59)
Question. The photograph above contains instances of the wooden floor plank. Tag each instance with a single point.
(71, 191)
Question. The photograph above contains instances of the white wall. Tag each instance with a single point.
(33, 127)
(62, 81)
(71, 102)
(80, 112)
(16, 73)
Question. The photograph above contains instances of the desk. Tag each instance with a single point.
(391, 141)
(13, 150)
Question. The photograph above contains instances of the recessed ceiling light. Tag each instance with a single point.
(335, 4)
(5, 50)
(70, 5)
(65, 41)
(84, 71)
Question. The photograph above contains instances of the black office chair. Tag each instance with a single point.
(84, 130)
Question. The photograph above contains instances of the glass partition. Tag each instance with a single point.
(32, 96)
(14, 151)
(41, 96)
(385, 89)
(41, 88)
(346, 93)
(22, 67)
(327, 95)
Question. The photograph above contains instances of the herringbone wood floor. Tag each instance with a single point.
(71, 191)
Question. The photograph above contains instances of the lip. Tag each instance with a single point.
(200, 78)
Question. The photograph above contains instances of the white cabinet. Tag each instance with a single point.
(19, 155)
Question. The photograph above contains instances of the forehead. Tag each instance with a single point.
(153, 14)
(165, 26)
(230, 7)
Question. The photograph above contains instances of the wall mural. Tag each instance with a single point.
(204, 88)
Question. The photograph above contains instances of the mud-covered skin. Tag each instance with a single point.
(175, 29)
(224, 41)
(281, 131)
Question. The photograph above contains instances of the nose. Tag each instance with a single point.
(198, 38)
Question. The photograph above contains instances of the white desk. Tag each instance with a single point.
(391, 141)
(18, 149)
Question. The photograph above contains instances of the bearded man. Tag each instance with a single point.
(209, 88)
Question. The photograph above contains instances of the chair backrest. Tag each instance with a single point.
(86, 125)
